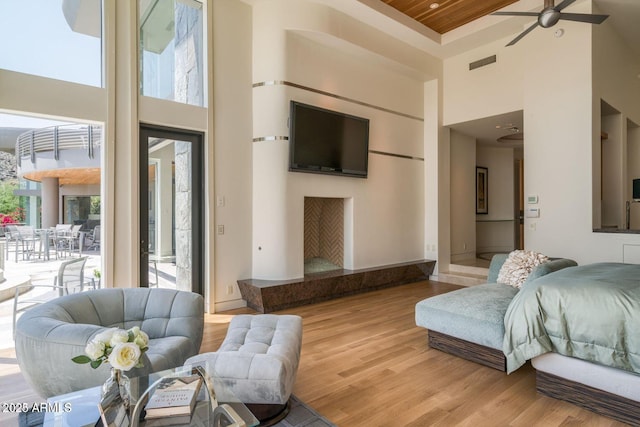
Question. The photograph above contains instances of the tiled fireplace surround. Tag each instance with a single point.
(324, 229)
(324, 238)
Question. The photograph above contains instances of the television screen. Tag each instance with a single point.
(636, 189)
(329, 142)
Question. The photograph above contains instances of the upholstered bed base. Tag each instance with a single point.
(607, 391)
(481, 354)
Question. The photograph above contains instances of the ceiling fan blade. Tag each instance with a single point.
(516, 13)
(584, 17)
(522, 34)
(563, 4)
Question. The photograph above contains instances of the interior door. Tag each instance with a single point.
(171, 203)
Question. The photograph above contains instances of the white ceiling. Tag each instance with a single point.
(488, 129)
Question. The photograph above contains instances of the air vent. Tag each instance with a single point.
(482, 62)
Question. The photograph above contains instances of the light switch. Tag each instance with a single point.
(532, 213)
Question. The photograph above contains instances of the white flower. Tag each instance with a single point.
(141, 339)
(105, 336)
(119, 336)
(124, 356)
(122, 349)
(95, 349)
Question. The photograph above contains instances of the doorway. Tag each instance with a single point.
(171, 204)
(493, 145)
(518, 206)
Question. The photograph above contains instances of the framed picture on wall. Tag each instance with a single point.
(482, 181)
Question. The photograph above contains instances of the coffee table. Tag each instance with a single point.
(80, 408)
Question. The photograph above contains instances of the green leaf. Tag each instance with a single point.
(131, 336)
(96, 363)
(81, 359)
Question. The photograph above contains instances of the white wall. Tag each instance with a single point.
(612, 209)
(554, 84)
(487, 91)
(633, 171)
(463, 204)
(495, 230)
(297, 42)
(232, 106)
(473, 94)
(615, 70)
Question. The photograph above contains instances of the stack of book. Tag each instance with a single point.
(173, 401)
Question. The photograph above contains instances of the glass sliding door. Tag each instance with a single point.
(171, 203)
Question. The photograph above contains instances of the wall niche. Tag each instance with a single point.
(619, 165)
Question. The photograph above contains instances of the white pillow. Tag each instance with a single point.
(518, 266)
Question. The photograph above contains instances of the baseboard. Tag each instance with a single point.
(229, 305)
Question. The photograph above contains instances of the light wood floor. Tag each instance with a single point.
(365, 363)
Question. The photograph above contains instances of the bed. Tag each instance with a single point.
(580, 326)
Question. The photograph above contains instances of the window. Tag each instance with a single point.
(82, 210)
(171, 42)
(58, 39)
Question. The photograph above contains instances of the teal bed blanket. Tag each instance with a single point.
(591, 312)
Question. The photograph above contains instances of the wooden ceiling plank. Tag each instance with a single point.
(450, 14)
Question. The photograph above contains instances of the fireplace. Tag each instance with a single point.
(323, 234)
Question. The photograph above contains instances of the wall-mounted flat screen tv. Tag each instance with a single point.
(328, 142)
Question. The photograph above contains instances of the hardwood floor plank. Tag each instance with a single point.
(364, 362)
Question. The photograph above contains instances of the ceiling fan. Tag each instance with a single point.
(550, 15)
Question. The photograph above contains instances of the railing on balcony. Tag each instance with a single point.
(57, 138)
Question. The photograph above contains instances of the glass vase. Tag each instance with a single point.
(119, 383)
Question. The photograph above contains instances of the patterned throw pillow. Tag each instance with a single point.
(518, 266)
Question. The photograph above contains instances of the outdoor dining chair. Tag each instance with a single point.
(65, 238)
(69, 280)
(92, 239)
(11, 237)
(26, 240)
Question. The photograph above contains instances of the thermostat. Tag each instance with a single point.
(532, 200)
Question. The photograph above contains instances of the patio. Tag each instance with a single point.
(42, 272)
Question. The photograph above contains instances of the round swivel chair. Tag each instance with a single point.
(49, 335)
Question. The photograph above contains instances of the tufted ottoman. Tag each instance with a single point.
(258, 361)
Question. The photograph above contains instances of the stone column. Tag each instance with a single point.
(183, 225)
(50, 202)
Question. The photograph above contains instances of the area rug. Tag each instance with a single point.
(300, 415)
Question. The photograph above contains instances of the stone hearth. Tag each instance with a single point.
(267, 296)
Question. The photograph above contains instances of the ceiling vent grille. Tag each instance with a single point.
(482, 62)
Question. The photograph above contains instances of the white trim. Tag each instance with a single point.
(230, 305)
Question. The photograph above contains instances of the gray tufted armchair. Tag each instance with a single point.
(49, 335)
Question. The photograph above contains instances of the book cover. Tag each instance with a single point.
(174, 396)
